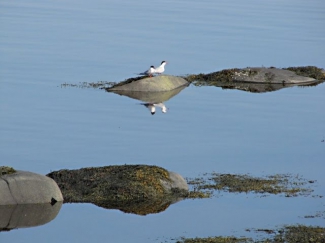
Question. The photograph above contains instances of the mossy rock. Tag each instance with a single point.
(139, 189)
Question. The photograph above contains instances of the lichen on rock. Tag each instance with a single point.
(5, 170)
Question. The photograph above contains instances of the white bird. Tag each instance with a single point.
(161, 68)
(149, 72)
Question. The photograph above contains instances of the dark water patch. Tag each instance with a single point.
(289, 185)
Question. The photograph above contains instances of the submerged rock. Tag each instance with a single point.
(150, 84)
(139, 189)
(23, 187)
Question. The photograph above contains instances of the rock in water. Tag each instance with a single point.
(154, 84)
(23, 187)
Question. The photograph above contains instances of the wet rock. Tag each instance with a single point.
(150, 84)
(139, 189)
(23, 187)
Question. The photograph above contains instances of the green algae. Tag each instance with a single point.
(288, 185)
(217, 239)
(200, 194)
(93, 85)
(212, 78)
(286, 234)
(298, 234)
(6, 170)
(126, 81)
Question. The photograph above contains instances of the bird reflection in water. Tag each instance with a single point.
(152, 107)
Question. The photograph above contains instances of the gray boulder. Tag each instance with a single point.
(23, 187)
(176, 181)
(150, 84)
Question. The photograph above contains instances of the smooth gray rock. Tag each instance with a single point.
(176, 181)
(154, 84)
(24, 187)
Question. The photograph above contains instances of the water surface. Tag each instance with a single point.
(45, 127)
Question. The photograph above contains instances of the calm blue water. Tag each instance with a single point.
(44, 127)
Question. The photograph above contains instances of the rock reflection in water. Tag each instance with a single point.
(140, 207)
(27, 215)
(255, 87)
(152, 100)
